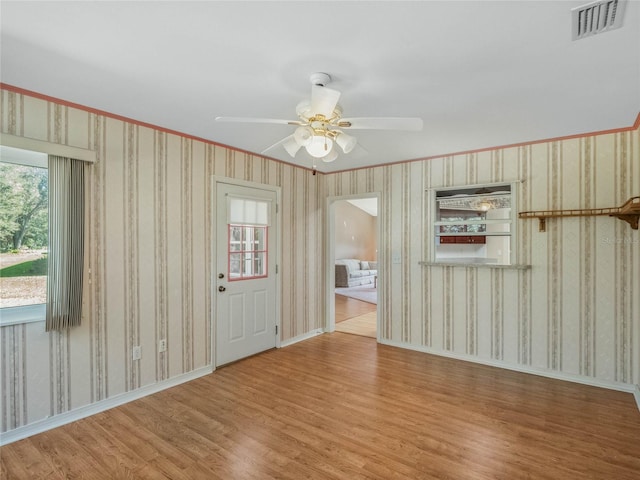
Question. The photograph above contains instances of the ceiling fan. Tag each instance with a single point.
(320, 124)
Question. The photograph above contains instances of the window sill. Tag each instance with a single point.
(20, 315)
(475, 265)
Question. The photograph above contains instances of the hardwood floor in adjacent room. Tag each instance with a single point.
(355, 316)
(347, 308)
(341, 406)
(365, 325)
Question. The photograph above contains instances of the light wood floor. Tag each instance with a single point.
(347, 307)
(355, 316)
(341, 406)
(365, 325)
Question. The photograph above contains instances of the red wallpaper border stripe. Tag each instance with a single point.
(22, 91)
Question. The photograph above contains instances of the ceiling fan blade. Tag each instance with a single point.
(323, 100)
(257, 120)
(382, 123)
(277, 144)
(359, 152)
(288, 143)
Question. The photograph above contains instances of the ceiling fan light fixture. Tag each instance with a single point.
(346, 142)
(320, 123)
(292, 146)
(330, 157)
(303, 109)
(320, 146)
(489, 202)
(484, 206)
(303, 135)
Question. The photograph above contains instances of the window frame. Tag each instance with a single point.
(37, 312)
(23, 314)
(434, 224)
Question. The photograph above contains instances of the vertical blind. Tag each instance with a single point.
(66, 243)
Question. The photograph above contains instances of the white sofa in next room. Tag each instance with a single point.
(351, 272)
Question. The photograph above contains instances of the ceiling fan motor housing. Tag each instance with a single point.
(320, 79)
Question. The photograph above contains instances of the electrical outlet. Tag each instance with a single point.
(162, 345)
(137, 352)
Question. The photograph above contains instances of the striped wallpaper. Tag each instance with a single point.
(149, 261)
(575, 312)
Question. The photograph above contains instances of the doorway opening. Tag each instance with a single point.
(353, 257)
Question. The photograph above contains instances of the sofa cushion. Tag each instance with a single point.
(352, 265)
(364, 265)
(349, 273)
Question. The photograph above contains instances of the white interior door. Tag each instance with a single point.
(246, 278)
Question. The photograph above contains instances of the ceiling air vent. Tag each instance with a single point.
(596, 17)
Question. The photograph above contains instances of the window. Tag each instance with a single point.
(64, 167)
(23, 234)
(247, 252)
(248, 222)
(474, 225)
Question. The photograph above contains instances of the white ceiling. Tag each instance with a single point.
(369, 205)
(480, 73)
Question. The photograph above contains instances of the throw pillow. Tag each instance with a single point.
(364, 265)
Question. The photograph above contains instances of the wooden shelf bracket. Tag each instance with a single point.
(629, 212)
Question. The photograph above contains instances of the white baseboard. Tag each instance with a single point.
(594, 382)
(49, 423)
(108, 403)
(97, 407)
(300, 338)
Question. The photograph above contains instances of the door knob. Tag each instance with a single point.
(221, 275)
(221, 288)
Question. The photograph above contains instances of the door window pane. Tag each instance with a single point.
(234, 265)
(235, 239)
(247, 252)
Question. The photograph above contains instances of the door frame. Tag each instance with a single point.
(277, 226)
(330, 269)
